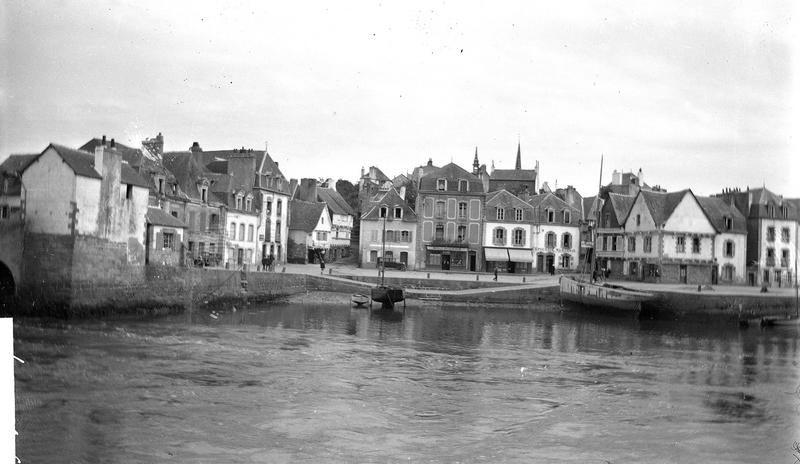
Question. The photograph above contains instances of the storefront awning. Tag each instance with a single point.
(520, 256)
(496, 254)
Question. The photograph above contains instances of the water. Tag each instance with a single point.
(335, 384)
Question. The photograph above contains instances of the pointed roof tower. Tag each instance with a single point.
(518, 166)
(475, 164)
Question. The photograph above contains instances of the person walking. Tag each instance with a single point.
(495, 274)
(321, 266)
(264, 263)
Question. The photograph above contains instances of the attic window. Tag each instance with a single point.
(398, 213)
(567, 217)
(239, 199)
(248, 204)
(128, 191)
(784, 212)
(463, 185)
(160, 185)
(204, 194)
(728, 222)
(551, 215)
(441, 184)
(384, 212)
(174, 189)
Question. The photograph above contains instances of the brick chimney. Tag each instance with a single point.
(195, 147)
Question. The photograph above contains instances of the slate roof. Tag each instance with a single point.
(159, 217)
(392, 199)
(505, 198)
(336, 203)
(304, 215)
(452, 172)
(81, 163)
(549, 200)
(621, 205)
(513, 174)
(132, 156)
(187, 170)
(17, 163)
(717, 209)
(590, 208)
(661, 205)
(763, 198)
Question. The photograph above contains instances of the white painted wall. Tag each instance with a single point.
(489, 228)
(688, 216)
(370, 229)
(49, 188)
(232, 243)
(540, 241)
(270, 219)
(739, 258)
(323, 225)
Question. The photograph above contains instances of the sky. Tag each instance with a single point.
(699, 95)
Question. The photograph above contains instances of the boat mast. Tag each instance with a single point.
(383, 243)
(597, 213)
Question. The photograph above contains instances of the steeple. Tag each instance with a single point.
(475, 164)
(518, 166)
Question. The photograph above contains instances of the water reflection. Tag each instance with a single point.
(329, 382)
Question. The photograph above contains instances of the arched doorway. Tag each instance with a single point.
(7, 286)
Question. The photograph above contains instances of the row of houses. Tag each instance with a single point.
(104, 211)
(503, 220)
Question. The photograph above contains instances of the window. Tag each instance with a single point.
(499, 236)
(174, 189)
(389, 236)
(550, 240)
(241, 232)
(551, 215)
(373, 236)
(233, 231)
(128, 191)
(405, 236)
(169, 240)
(518, 214)
(784, 212)
(278, 206)
(440, 208)
(605, 243)
(441, 185)
(647, 246)
(212, 247)
(269, 207)
(462, 233)
(567, 217)
(213, 221)
(384, 212)
(770, 234)
(4, 212)
(728, 222)
(613, 243)
(204, 194)
(566, 261)
(160, 185)
(785, 257)
(501, 214)
(398, 212)
(439, 232)
(566, 241)
(463, 185)
(728, 272)
(519, 237)
(174, 214)
(728, 249)
(631, 244)
(785, 235)
(607, 220)
(239, 199)
(633, 268)
(680, 244)
(250, 233)
(695, 245)
(322, 236)
(770, 256)
(638, 219)
(248, 204)
(462, 210)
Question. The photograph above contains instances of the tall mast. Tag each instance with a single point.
(383, 246)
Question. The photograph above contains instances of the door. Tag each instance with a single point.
(714, 275)
(550, 262)
(473, 261)
(766, 277)
(445, 262)
(373, 256)
(239, 256)
(404, 257)
(682, 276)
(540, 262)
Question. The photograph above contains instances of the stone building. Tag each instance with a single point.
(610, 232)
(450, 211)
(517, 181)
(772, 234)
(556, 233)
(341, 214)
(508, 239)
(388, 231)
(730, 242)
(165, 238)
(84, 221)
(309, 232)
(273, 188)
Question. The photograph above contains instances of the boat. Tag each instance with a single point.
(604, 295)
(585, 290)
(386, 295)
(359, 299)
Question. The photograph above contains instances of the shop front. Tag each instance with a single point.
(450, 258)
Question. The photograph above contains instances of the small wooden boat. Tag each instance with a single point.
(603, 295)
(359, 300)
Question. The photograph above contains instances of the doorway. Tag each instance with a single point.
(473, 260)
(540, 263)
(714, 275)
(682, 276)
(445, 262)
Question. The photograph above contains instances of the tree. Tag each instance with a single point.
(349, 192)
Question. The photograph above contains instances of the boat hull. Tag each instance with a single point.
(359, 299)
(387, 296)
(603, 296)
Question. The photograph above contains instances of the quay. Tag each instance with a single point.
(181, 289)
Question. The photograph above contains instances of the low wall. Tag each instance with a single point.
(674, 305)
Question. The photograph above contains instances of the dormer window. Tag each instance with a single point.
(551, 215)
(784, 212)
(204, 194)
(174, 189)
(728, 222)
(239, 200)
(567, 217)
(398, 213)
(518, 214)
(441, 185)
(501, 214)
(463, 185)
(160, 185)
(248, 203)
(384, 212)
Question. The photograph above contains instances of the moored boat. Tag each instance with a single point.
(602, 295)
(359, 299)
(387, 296)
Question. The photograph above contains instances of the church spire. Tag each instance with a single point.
(475, 164)
(518, 166)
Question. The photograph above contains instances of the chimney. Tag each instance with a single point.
(113, 145)
(99, 151)
(104, 140)
(195, 147)
(616, 177)
(402, 192)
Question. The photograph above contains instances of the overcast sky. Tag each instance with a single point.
(697, 94)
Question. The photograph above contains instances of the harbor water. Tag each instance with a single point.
(331, 383)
